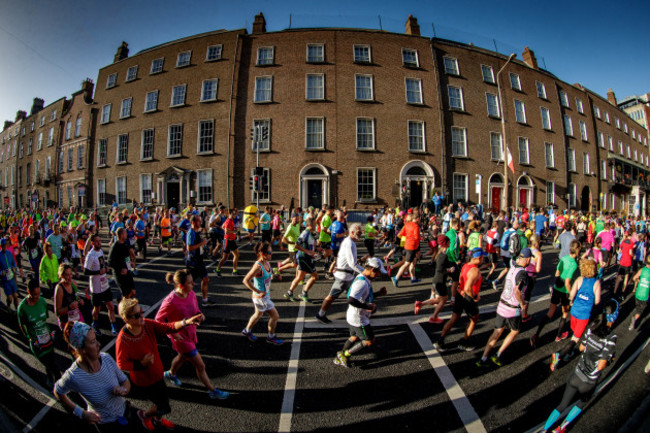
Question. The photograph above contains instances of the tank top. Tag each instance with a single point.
(584, 299)
(644, 285)
(262, 283)
(509, 304)
(532, 266)
(476, 287)
(472, 240)
(69, 298)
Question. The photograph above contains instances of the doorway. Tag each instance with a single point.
(415, 199)
(315, 193)
(314, 186)
(585, 199)
(173, 194)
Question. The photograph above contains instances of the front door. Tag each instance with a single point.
(173, 194)
(416, 193)
(523, 197)
(496, 199)
(315, 193)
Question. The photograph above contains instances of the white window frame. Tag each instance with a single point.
(144, 143)
(597, 112)
(520, 111)
(541, 90)
(318, 88)
(118, 180)
(39, 143)
(119, 158)
(106, 114)
(359, 59)
(178, 92)
(131, 73)
(601, 140)
(515, 82)
(102, 152)
(451, 66)
(77, 128)
(200, 138)
(498, 157)
(357, 89)
(258, 80)
(410, 58)
(603, 169)
(571, 160)
(371, 135)
(579, 106)
(607, 117)
(547, 146)
(265, 60)
(258, 125)
(412, 137)
(455, 143)
(183, 59)
(545, 118)
(143, 178)
(494, 104)
(564, 99)
(309, 134)
(550, 192)
(111, 80)
(80, 156)
(210, 81)
(199, 178)
(568, 125)
(490, 77)
(153, 100)
(526, 146)
(372, 199)
(218, 48)
(417, 93)
(583, 131)
(586, 164)
(460, 93)
(68, 130)
(460, 177)
(169, 141)
(125, 108)
(318, 59)
(155, 68)
(610, 140)
(572, 194)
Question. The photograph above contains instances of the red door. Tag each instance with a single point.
(496, 199)
(523, 198)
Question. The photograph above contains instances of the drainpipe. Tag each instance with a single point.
(232, 85)
(443, 174)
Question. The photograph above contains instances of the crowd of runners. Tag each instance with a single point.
(470, 252)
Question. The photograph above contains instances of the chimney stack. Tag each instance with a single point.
(122, 52)
(529, 58)
(20, 115)
(8, 123)
(611, 97)
(412, 26)
(87, 86)
(37, 106)
(259, 25)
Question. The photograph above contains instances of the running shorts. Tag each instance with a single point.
(339, 287)
(559, 298)
(512, 323)
(363, 332)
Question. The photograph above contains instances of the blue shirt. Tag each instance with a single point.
(336, 228)
(437, 199)
(139, 229)
(539, 223)
(194, 238)
(584, 300)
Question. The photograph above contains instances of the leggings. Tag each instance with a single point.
(574, 386)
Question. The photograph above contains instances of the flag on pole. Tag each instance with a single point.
(511, 163)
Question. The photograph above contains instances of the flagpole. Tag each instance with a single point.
(503, 137)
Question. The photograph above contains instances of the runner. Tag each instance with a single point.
(290, 237)
(625, 249)
(195, 258)
(411, 231)
(533, 269)
(641, 288)
(119, 259)
(67, 302)
(325, 240)
(439, 293)
(165, 233)
(230, 246)
(305, 247)
(100, 292)
(8, 270)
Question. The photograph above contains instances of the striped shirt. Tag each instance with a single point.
(96, 388)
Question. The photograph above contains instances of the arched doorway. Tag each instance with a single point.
(525, 188)
(495, 192)
(585, 199)
(417, 181)
(314, 186)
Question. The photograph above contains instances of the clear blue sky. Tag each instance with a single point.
(48, 47)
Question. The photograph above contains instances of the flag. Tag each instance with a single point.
(511, 163)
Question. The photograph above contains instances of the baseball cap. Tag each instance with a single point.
(402, 213)
(3, 241)
(374, 262)
(477, 252)
(526, 253)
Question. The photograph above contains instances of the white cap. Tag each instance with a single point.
(374, 262)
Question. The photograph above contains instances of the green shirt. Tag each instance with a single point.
(567, 268)
(33, 321)
(325, 224)
(452, 251)
(49, 269)
(292, 233)
(644, 285)
(472, 240)
(370, 232)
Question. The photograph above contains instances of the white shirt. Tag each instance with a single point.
(360, 290)
(95, 262)
(347, 259)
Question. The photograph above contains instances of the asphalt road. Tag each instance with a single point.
(401, 385)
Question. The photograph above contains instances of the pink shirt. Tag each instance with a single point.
(175, 308)
(275, 223)
(607, 239)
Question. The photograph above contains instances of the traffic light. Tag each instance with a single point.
(259, 171)
(251, 182)
(265, 133)
(256, 183)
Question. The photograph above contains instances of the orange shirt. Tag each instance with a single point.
(411, 231)
(165, 227)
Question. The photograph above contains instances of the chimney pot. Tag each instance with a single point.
(88, 86)
(528, 57)
(8, 123)
(37, 106)
(412, 27)
(122, 52)
(20, 115)
(259, 25)
(611, 97)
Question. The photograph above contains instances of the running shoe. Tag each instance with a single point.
(415, 280)
(389, 270)
(647, 368)
(533, 341)
(289, 297)
(323, 319)
(440, 346)
(218, 394)
(305, 297)
(341, 360)
(494, 285)
(248, 335)
(98, 333)
(436, 320)
(146, 421)
(559, 429)
(525, 319)
(173, 379)
(301, 282)
(164, 423)
(562, 336)
(208, 302)
(466, 346)
(632, 323)
(395, 282)
(113, 329)
(275, 341)
(480, 363)
(218, 272)
(329, 276)
(555, 360)
(235, 272)
(416, 309)
(275, 271)
(496, 361)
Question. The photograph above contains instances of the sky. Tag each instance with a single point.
(48, 47)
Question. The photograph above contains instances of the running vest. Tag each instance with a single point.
(508, 303)
(491, 241)
(262, 283)
(532, 266)
(644, 285)
(584, 299)
(476, 287)
(472, 240)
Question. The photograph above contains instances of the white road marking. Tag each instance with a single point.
(286, 413)
(39, 416)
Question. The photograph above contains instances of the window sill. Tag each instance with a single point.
(265, 65)
(547, 129)
(102, 166)
(204, 101)
(366, 150)
(491, 83)
(111, 87)
(178, 105)
(315, 100)
(212, 60)
(417, 151)
(363, 62)
(316, 62)
(371, 201)
(131, 80)
(516, 90)
(523, 123)
(262, 102)
(526, 164)
(174, 156)
(183, 66)
(492, 116)
(205, 153)
(457, 110)
(125, 117)
(460, 156)
(255, 151)
(155, 110)
(104, 123)
(367, 101)
(121, 163)
(411, 65)
(156, 72)
(452, 74)
(146, 159)
(415, 104)
(320, 149)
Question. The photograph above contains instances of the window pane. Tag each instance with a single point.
(315, 88)
(365, 139)
(314, 134)
(315, 53)
(458, 141)
(206, 136)
(263, 89)
(413, 91)
(365, 184)
(416, 136)
(492, 105)
(147, 143)
(488, 73)
(364, 87)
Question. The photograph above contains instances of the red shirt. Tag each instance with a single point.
(476, 287)
(130, 349)
(560, 221)
(229, 225)
(411, 231)
(626, 252)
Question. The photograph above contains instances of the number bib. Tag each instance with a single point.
(34, 254)
(43, 337)
(73, 315)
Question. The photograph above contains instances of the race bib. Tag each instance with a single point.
(128, 264)
(43, 337)
(73, 315)
(103, 282)
(34, 254)
(9, 274)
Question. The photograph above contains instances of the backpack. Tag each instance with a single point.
(506, 239)
(514, 247)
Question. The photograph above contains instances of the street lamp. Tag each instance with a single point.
(503, 136)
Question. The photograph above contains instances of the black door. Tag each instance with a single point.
(416, 193)
(585, 199)
(315, 193)
(173, 194)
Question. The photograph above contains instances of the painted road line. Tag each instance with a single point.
(39, 416)
(286, 413)
(466, 412)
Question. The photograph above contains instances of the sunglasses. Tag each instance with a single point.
(135, 316)
(268, 253)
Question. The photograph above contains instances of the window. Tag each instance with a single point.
(209, 90)
(262, 135)
(620, 147)
(488, 74)
(601, 140)
(524, 157)
(50, 137)
(31, 127)
(53, 116)
(41, 122)
(625, 128)
(314, 137)
(205, 185)
(39, 142)
(365, 134)
(568, 126)
(414, 91)
(618, 123)
(636, 158)
(496, 147)
(315, 53)
(145, 188)
(80, 157)
(314, 87)
(264, 56)
(603, 169)
(541, 90)
(20, 179)
(21, 149)
(550, 157)
(629, 154)
(572, 194)
(157, 65)
(416, 136)
(37, 169)
(29, 146)
(213, 53)
(183, 59)
(28, 174)
(151, 102)
(633, 134)
(363, 88)
(60, 165)
(122, 148)
(178, 95)
(106, 113)
(564, 99)
(579, 106)
(125, 109)
(366, 188)
(583, 130)
(460, 187)
(206, 136)
(265, 186)
(175, 140)
(68, 130)
(410, 57)
(451, 66)
(146, 150)
(571, 159)
(514, 81)
(263, 89)
(455, 98)
(492, 105)
(458, 141)
(132, 73)
(102, 149)
(597, 112)
(520, 111)
(362, 53)
(111, 80)
(120, 190)
(611, 143)
(70, 158)
(77, 128)
(550, 193)
(70, 197)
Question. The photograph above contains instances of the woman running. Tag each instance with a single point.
(533, 269)
(261, 274)
(439, 293)
(67, 302)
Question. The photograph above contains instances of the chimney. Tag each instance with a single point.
(259, 25)
(87, 86)
(8, 123)
(528, 56)
(122, 52)
(611, 97)
(20, 115)
(412, 26)
(37, 106)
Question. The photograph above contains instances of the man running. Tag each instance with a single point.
(230, 246)
(195, 259)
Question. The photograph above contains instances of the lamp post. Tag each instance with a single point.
(503, 136)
